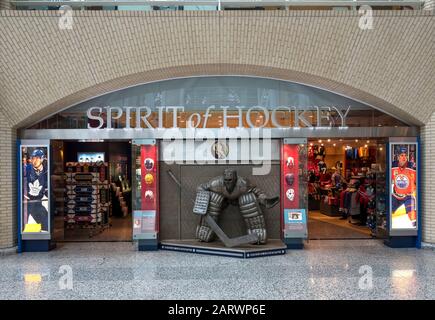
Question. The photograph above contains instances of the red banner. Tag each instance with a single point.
(150, 179)
(290, 176)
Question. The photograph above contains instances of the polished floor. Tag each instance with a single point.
(352, 269)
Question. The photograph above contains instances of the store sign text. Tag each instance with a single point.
(139, 117)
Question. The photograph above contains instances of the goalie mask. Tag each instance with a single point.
(289, 179)
(149, 195)
(290, 194)
(149, 179)
(290, 162)
(149, 164)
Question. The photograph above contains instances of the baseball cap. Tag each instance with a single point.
(38, 153)
(403, 149)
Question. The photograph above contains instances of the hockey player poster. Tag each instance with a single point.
(403, 186)
(35, 208)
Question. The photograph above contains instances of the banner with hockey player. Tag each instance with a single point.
(35, 190)
(403, 200)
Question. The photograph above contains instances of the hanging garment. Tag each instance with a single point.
(354, 208)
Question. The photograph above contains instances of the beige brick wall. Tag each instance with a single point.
(429, 5)
(5, 5)
(8, 215)
(428, 187)
(389, 62)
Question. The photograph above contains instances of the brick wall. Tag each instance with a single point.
(428, 187)
(5, 4)
(429, 5)
(389, 62)
(8, 213)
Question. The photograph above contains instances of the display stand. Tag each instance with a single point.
(401, 242)
(37, 245)
(87, 197)
(247, 251)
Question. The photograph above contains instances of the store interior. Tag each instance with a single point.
(92, 190)
(346, 187)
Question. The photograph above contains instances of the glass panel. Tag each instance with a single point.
(202, 100)
(136, 184)
(379, 226)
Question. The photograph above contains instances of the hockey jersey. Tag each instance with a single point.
(404, 180)
(37, 183)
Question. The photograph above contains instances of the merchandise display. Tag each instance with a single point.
(87, 196)
(345, 181)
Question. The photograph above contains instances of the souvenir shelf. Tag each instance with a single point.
(87, 197)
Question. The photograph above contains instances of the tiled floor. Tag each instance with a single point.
(351, 269)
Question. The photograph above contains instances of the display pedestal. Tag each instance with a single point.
(37, 245)
(401, 242)
(272, 248)
(294, 243)
(148, 245)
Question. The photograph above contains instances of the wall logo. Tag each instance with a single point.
(220, 150)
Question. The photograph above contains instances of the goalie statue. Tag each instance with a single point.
(231, 189)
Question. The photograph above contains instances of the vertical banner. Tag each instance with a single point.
(290, 176)
(35, 190)
(149, 177)
(294, 219)
(145, 220)
(403, 189)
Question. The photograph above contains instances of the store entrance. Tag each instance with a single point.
(91, 188)
(346, 188)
